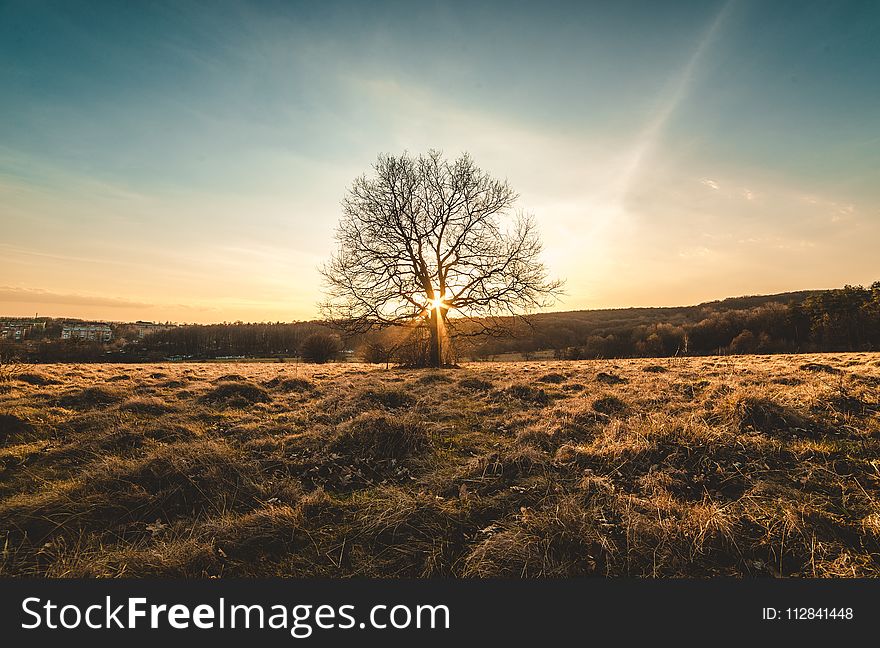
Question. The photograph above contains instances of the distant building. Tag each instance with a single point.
(81, 331)
(145, 328)
(18, 329)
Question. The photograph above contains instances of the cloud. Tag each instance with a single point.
(692, 253)
(709, 183)
(679, 90)
(38, 296)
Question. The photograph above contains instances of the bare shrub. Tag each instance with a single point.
(320, 348)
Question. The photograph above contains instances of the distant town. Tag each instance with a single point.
(19, 329)
(50, 339)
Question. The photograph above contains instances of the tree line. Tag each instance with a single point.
(312, 340)
(844, 319)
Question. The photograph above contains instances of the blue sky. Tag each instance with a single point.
(186, 161)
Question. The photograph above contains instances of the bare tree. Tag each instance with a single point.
(425, 237)
(320, 348)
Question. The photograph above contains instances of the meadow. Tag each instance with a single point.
(752, 466)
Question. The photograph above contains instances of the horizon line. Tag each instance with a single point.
(37, 315)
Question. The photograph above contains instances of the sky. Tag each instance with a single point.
(186, 161)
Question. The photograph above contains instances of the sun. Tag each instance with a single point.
(437, 302)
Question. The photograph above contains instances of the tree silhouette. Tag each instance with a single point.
(423, 237)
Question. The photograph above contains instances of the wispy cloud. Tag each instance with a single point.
(652, 131)
(38, 296)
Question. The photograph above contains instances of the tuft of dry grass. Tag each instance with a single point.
(376, 436)
(291, 384)
(763, 415)
(236, 393)
(35, 378)
(610, 405)
(13, 426)
(476, 384)
(526, 394)
(388, 397)
(146, 405)
(610, 378)
(699, 467)
(563, 540)
(90, 397)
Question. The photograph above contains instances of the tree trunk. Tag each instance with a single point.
(435, 348)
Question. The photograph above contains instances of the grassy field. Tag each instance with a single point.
(744, 466)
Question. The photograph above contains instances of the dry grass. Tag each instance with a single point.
(734, 466)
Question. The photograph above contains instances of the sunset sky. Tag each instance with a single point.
(186, 161)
